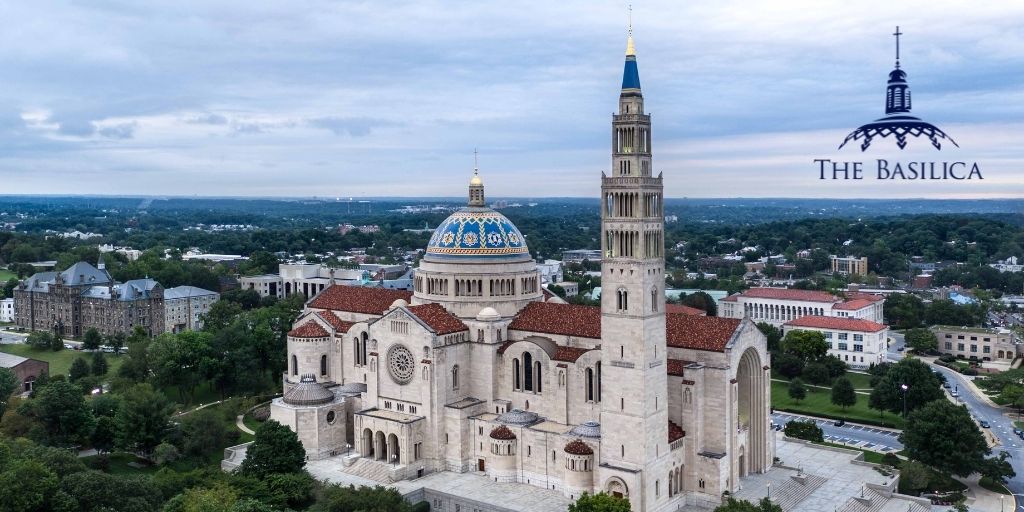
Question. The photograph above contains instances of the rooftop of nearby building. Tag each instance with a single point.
(838, 323)
(785, 294)
(10, 360)
(979, 330)
(310, 329)
(182, 292)
(438, 318)
(684, 310)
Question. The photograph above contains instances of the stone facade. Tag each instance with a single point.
(978, 343)
(478, 370)
(184, 307)
(84, 297)
(856, 342)
(777, 306)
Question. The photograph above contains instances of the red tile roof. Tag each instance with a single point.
(565, 319)
(684, 310)
(676, 366)
(570, 354)
(438, 318)
(873, 297)
(358, 299)
(832, 322)
(675, 432)
(853, 305)
(502, 432)
(790, 294)
(577, 447)
(339, 325)
(310, 329)
(699, 332)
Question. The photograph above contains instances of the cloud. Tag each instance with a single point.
(351, 126)
(742, 95)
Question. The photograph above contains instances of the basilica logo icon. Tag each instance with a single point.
(897, 121)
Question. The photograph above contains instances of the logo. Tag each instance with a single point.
(901, 126)
(897, 121)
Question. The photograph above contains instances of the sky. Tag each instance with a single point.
(370, 99)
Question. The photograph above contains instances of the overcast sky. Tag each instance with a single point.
(329, 98)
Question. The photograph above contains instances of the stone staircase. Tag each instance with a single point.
(371, 470)
(874, 501)
(790, 494)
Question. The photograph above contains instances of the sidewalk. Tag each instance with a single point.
(979, 498)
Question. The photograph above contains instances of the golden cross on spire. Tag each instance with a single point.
(476, 167)
(630, 15)
(630, 50)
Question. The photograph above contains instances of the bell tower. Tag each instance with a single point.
(634, 415)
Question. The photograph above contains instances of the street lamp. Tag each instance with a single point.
(394, 460)
(904, 387)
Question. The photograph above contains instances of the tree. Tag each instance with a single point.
(843, 394)
(26, 486)
(998, 469)
(921, 340)
(61, 414)
(56, 342)
(104, 435)
(923, 386)
(836, 367)
(99, 364)
(92, 339)
(177, 360)
(797, 391)
(903, 311)
(142, 418)
(275, 449)
(735, 505)
(136, 365)
(788, 365)
(807, 345)
(8, 385)
(774, 335)
(944, 436)
(204, 431)
(600, 502)
(116, 342)
(701, 300)
(338, 498)
(79, 368)
(808, 430)
(817, 373)
(914, 476)
(40, 340)
(165, 453)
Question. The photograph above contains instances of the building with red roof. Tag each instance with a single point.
(777, 306)
(855, 341)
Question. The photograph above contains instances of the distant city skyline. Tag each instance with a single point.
(354, 99)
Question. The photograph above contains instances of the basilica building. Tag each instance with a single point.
(481, 370)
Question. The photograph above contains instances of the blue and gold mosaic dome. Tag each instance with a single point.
(477, 233)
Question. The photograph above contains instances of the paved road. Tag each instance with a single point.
(1002, 428)
(894, 354)
(861, 436)
(8, 338)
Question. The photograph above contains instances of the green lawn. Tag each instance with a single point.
(6, 275)
(859, 380)
(60, 360)
(996, 487)
(819, 403)
(869, 456)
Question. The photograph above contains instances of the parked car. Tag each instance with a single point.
(69, 346)
(107, 348)
(954, 393)
(984, 424)
(839, 423)
(1017, 431)
(946, 385)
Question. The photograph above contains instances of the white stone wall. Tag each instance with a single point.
(873, 345)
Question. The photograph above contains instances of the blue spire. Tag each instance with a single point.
(630, 74)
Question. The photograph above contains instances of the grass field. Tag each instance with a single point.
(819, 403)
(6, 275)
(859, 380)
(60, 360)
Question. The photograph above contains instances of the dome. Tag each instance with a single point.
(503, 433)
(476, 181)
(590, 429)
(308, 392)
(577, 447)
(399, 303)
(897, 75)
(351, 387)
(488, 314)
(477, 233)
(518, 417)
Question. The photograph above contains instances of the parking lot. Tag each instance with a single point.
(852, 434)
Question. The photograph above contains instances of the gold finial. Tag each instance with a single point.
(630, 50)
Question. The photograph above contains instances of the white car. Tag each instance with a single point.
(107, 348)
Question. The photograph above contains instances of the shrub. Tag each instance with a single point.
(890, 459)
(807, 430)
(261, 413)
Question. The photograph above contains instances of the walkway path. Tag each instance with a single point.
(240, 423)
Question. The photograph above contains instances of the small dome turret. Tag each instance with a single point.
(503, 433)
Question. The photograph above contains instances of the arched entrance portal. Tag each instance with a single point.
(380, 449)
(394, 454)
(752, 413)
(616, 487)
(367, 448)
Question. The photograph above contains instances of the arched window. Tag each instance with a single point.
(654, 299)
(538, 376)
(323, 365)
(295, 365)
(362, 347)
(527, 371)
(516, 382)
(590, 384)
(598, 381)
(455, 377)
(356, 353)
